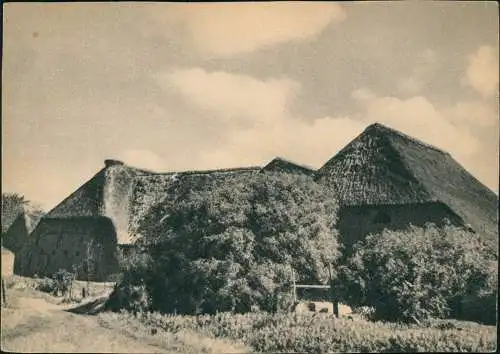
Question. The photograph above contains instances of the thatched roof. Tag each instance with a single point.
(282, 165)
(125, 194)
(384, 166)
(380, 166)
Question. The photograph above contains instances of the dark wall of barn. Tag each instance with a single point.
(67, 242)
(357, 222)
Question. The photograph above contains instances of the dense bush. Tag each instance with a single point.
(47, 285)
(60, 283)
(419, 273)
(322, 333)
(130, 293)
(231, 245)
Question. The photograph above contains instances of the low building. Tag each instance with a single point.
(385, 179)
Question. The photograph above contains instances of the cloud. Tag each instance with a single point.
(472, 113)
(363, 95)
(482, 72)
(226, 29)
(454, 129)
(302, 142)
(418, 117)
(232, 98)
(422, 73)
(256, 121)
(142, 158)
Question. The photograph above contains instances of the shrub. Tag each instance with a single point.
(231, 245)
(46, 285)
(417, 274)
(60, 283)
(63, 281)
(130, 292)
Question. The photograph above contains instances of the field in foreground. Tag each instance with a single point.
(35, 321)
(321, 333)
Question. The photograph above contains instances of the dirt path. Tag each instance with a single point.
(38, 326)
(34, 322)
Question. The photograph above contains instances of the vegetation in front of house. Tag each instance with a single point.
(422, 273)
(322, 333)
(60, 284)
(231, 245)
(182, 341)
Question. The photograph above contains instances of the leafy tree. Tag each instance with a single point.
(231, 244)
(12, 205)
(419, 273)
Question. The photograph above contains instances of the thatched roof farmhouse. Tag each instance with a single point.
(383, 178)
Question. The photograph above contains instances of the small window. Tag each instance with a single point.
(77, 253)
(382, 218)
(54, 252)
(66, 253)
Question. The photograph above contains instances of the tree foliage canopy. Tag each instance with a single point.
(12, 206)
(419, 273)
(231, 245)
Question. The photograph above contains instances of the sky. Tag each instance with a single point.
(188, 86)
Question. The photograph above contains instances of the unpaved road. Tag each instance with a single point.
(35, 325)
(34, 322)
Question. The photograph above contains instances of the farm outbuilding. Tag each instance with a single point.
(387, 179)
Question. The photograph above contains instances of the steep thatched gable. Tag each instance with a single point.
(284, 166)
(369, 170)
(451, 184)
(385, 167)
(85, 201)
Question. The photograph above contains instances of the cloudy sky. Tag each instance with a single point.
(172, 87)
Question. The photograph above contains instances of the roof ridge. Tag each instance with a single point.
(82, 186)
(320, 171)
(279, 158)
(399, 133)
(191, 172)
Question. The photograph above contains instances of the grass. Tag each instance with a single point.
(182, 341)
(323, 333)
